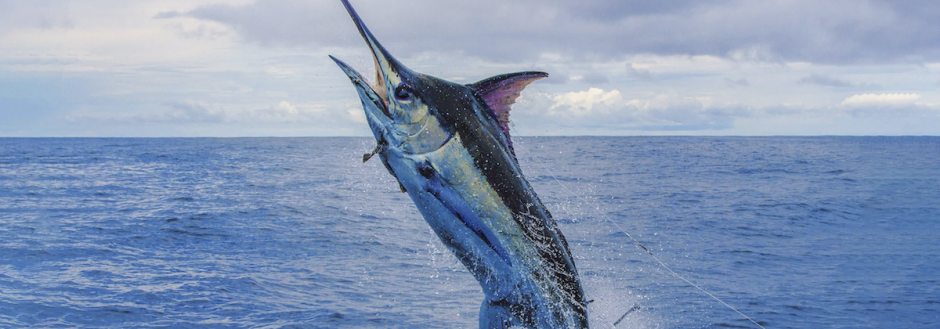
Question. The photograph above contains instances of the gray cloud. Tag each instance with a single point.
(836, 32)
(285, 22)
(824, 80)
(639, 74)
(595, 78)
(168, 14)
(606, 10)
(742, 82)
(42, 14)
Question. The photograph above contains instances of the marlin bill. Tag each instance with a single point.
(448, 145)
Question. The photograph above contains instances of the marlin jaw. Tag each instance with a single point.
(448, 146)
(393, 101)
(404, 121)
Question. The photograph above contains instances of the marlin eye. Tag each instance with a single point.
(403, 92)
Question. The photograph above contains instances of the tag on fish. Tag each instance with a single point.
(367, 156)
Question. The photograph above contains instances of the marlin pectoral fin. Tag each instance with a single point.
(457, 206)
(500, 92)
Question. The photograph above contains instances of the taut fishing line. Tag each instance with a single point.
(641, 246)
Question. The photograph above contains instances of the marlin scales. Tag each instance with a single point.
(449, 147)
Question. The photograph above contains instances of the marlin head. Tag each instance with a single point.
(395, 104)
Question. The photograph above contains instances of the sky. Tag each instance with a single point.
(115, 68)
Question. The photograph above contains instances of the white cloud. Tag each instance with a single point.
(891, 107)
(583, 102)
(599, 110)
(357, 115)
(286, 107)
(881, 99)
(284, 112)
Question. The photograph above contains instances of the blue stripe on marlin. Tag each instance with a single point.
(459, 208)
(449, 147)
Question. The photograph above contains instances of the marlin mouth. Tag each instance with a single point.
(363, 85)
(381, 58)
(389, 75)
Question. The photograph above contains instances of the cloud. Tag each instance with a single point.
(639, 74)
(39, 14)
(595, 78)
(178, 112)
(284, 112)
(824, 80)
(599, 111)
(583, 102)
(742, 82)
(191, 112)
(887, 107)
(356, 115)
(837, 32)
(881, 99)
(280, 22)
(279, 71)
(175, 113)
(203, 30)
(168, 14)
(893, 105)
(596, 108)
(890, 106)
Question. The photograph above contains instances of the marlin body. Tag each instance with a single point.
(448, 145)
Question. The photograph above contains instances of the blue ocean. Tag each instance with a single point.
(795, 232)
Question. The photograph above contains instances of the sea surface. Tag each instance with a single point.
(795, 232)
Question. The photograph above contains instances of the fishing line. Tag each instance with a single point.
(639, 244)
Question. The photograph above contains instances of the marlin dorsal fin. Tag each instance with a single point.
(500, 92)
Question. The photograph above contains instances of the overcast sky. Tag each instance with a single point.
(617, 67)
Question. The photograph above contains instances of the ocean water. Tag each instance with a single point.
(814, 232)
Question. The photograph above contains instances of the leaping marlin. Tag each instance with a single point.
(448, 146)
